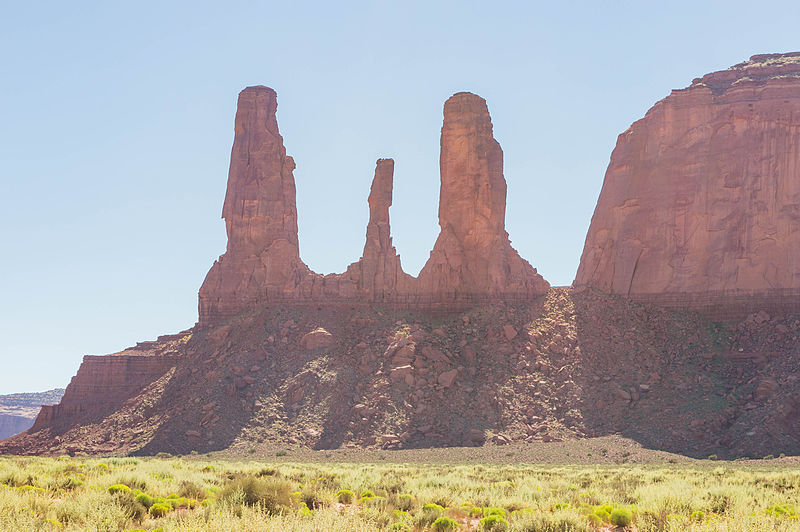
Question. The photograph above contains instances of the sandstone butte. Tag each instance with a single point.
(700, 207)
(472, 260)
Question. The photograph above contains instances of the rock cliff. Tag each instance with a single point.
(472, 260)
(700, 206)
(18, 411)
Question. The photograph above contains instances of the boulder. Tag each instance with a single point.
(448, 378)
(319, 338)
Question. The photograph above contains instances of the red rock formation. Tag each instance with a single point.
(473, 256)
(472, 259)
(378, 273)
(102, 384)
(262, 257)
(701, 201)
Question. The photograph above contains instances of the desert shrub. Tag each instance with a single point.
(127, 501)
(367, 494)
(781, 510)
(406, 502)
(145, 500)
(400, 527)
(312, 497)
(133, 483)
(698, 515)
(376, 502)
(621, 517)
(163, 455)
(208, 469)
(376, 517)
(70, 483)
(12, 479)
(391, 483)
(719, 503)
(494, 511)
(444, 523)
(594, 520)
(192, 490)
(159, 509)
(116, 488)
(430, 512)
(345, 496)
(304, 510)
(494, 522)
(271, 494)
(268, 472)
(328, 481)
(433, 508)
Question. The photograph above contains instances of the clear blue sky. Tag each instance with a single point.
(116, 123)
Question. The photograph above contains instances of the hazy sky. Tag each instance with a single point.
(116, 123)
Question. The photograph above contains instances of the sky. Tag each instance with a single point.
(116, 124)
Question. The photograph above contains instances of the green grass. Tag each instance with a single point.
(196, 493)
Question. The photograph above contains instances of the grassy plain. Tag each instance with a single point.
(215, 494)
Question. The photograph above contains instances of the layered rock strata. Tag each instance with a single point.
(103, 383)
(700, 206)
(472, 260)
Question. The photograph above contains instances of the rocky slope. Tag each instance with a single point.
(18, 410)
(700, 206)
(568, 365)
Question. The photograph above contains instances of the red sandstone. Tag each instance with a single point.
(472, 260)
(701, 201)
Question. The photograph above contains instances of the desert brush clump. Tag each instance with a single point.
(270, 494)
(493, 522)
(444, 523)
(345, 496)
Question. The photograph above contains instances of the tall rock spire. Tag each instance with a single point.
(262, 257)
(378, 273)
(473, 257)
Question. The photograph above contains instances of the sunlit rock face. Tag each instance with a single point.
(700, 206)
(473, 256)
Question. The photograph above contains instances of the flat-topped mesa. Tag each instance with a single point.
(700, 207)
(472, 257)
(262, 259)
(378, 274)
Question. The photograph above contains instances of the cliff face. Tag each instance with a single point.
(472, 259)
(17, 411)
(104, 383)
(701, 201)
